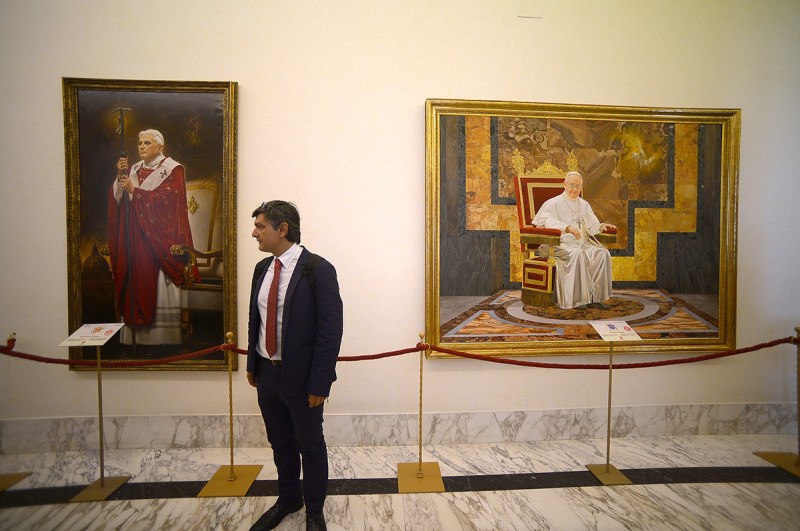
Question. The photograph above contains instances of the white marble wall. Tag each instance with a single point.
(173, 432)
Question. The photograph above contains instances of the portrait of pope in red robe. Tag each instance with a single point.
(147, 215)
(150, 188)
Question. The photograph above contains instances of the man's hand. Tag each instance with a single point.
(122, 175)
(122, 167)
(605, 226)
(126, 184)
(315, 401)
(572, 230)
(251, 379)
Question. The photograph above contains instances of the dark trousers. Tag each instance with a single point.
(294, 430)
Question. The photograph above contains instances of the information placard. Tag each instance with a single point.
(91, 335)
(615, 331)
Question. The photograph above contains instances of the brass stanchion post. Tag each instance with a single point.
(229, 355)
(100, 489)
(420, 474)
(6, 480)
(427, 477)
(100, 417)
(608, 422)
(237, 479)
(786, 460)
(609, 476)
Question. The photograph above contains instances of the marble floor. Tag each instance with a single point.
(680, 482)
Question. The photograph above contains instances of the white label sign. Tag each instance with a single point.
(91, 335)
(615, 331)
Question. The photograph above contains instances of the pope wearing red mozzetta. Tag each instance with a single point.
(154, 192)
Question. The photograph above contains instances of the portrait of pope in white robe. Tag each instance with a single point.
(583, 265)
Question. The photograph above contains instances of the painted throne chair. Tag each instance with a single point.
(203, 295)
(537, 244)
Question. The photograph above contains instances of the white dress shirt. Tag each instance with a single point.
(288, 263)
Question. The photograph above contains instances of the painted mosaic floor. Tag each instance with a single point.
(652, 313)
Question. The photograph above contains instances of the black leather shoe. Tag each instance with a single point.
(315, 522)
(274, 515)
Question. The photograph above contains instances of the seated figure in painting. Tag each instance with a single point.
(584, 264)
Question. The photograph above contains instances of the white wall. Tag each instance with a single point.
(331, 116)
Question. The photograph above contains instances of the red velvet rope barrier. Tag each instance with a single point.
(641, 365)
(9, 351)
(108, 364)
(365, 357)
(418, 348)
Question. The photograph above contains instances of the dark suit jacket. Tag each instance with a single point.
(311, 333)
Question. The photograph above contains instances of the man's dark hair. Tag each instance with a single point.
(277, 212)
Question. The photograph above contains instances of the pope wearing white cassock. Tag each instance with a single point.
(583, 265)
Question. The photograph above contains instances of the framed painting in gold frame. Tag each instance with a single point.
(666, 178)
(160, 256)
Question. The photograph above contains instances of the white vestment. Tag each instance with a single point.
(583, 272)
(166, 327)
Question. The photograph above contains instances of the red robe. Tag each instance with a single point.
(159, 219)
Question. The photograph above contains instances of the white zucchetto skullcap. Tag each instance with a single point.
(157, 136)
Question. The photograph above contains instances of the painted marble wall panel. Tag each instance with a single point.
(468, 258)
(689, 260)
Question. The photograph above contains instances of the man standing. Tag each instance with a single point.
(147, 214)
(583, 265)
(294, 335)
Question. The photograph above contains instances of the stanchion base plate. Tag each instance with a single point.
(785, 460)
(408, 480)
(96, 492)
(221, 483)
(609, 475)
(6, 480)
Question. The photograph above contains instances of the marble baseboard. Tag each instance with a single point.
(213, 431)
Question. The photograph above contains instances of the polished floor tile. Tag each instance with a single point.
(689, 482)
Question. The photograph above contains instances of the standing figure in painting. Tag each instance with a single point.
(147, 214)
(583, 264)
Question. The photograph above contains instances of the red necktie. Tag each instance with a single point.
(272, 311)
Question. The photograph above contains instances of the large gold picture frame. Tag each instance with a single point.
(667, 178)
(197, 119)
